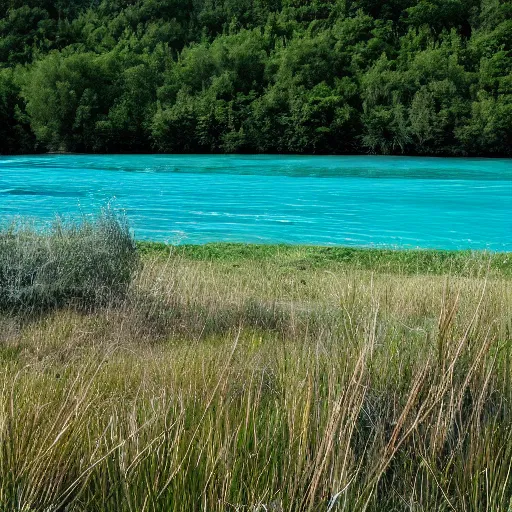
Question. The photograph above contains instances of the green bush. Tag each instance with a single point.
(85, 263)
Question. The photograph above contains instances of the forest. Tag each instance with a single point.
(417, 77)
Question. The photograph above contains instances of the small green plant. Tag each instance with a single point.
(87, 263)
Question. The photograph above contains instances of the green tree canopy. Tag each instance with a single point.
(318, 76)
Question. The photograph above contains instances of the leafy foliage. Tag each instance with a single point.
(425, 77)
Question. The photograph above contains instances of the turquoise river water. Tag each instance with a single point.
(351, 200)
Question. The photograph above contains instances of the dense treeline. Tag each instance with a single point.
(315, 76)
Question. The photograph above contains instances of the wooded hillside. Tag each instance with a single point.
(322, 76)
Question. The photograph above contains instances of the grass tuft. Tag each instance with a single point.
(87, 263)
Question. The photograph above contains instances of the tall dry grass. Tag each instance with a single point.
(88, 263)
(257, 387)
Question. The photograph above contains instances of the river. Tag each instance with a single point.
(373, 201)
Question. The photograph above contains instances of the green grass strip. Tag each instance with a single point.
(414, 261)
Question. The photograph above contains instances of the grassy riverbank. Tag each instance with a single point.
(302, 257)
(233, 377)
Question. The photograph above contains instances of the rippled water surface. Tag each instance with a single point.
(364, 201)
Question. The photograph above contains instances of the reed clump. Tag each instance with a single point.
(87, 263)
(234, 386)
